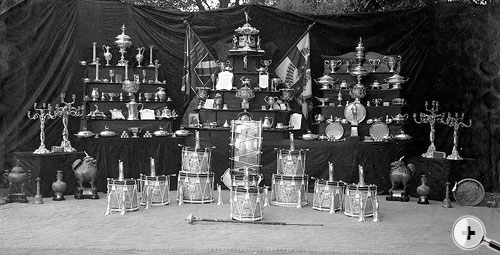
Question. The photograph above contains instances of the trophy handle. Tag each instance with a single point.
(386, 59)
(142, 106)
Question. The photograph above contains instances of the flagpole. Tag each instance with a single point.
(296, 42)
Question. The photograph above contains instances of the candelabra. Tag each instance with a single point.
(65, 110)
(42, 113)
(456, 122)
(431, 118)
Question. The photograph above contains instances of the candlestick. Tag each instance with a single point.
(330, 171)
(447, 201)
(38, 196)
(361, 176)
(431, 118)
(93, 53)
(151, 56)
(65, 110)
(152, 166)
(456, 122)
(157, 65)
(43, 113)
(97, 70)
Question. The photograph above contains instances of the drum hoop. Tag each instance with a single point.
(126, 182)
(195, 174)
(304, 177)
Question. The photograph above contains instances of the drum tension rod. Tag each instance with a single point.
(191, 219)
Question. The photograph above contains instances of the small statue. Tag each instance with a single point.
(235, 42)
(86, 171)
(245, 62)
(258, 42)
(400, 174)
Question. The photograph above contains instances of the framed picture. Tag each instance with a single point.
(209, 103)
(194, 119)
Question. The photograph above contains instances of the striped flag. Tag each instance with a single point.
(199, 65)
(295, 69)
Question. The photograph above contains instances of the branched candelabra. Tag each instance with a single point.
(65, 110)
(456, 122)
(42, 113)
(431, 118)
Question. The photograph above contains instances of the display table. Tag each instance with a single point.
(375, 157)
(438, 172)
(46, 166)
(135, 153)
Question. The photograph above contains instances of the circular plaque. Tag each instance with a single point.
(469, 192)
(334, 130)
(355, 113)
(379, 131)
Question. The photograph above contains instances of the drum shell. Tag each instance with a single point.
(196, 160)
(246, 203)
(159, 188)
(118, 189)
(285, 190)
(197, 188)
(323, 192)
(291, 162)
(353, 193)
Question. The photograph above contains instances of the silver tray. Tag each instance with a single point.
(334, 130)
(379, 131)
(468, 192)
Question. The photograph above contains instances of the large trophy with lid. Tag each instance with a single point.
(247, 38)
(355, 112)
(123, 42)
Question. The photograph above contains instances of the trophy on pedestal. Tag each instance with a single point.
(85, 171)
(400, 174)
(245, 93)
(203, 93)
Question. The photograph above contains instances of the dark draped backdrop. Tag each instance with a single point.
(451, 53)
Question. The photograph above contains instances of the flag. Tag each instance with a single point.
(295, 69)
(199, 65)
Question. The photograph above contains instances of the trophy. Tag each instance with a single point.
(333, 64)
(287, 96)
(42, 113)
(140, 56)
(392, 62)
(129, 86)
(135, 131)
(107, 54)
(203, 94)
(456, 122)
(65, 110)
(347, 64)
(374, 63)
(245, 93)
(157, 65)
(133, 109)
(266, 63)
(431, 118)
(123, 42)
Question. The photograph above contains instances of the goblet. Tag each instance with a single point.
(111, 75)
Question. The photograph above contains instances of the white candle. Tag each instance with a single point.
(152, 166)
(120, 171)
(330, 171)
(93, 51)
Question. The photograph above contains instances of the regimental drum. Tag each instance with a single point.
(246, 203)
(197, 188)
(122, 196)
(155, 190)
(291, 162)
(196, 160)
(286, 190)
(354, 195)
(327, 191)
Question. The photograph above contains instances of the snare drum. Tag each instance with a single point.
(291, 162)
(246, 203)
(122, 196)
(324, 192)
(197, 188)
(156, 189)
(285, 190)
(196, 160)
(354, 194)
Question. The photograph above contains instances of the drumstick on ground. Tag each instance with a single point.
(191, 219)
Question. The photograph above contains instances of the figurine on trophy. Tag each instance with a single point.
(430, 118)
(245, 93)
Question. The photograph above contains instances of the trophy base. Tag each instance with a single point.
(18, 198)
(423, 201)
(86, 193)
(58, 197)
(245, 105)
(38, 200)
(447, 203)
(398, 195)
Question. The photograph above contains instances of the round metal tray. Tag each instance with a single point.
(468, 192)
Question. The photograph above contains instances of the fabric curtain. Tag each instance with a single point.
(449, 53)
